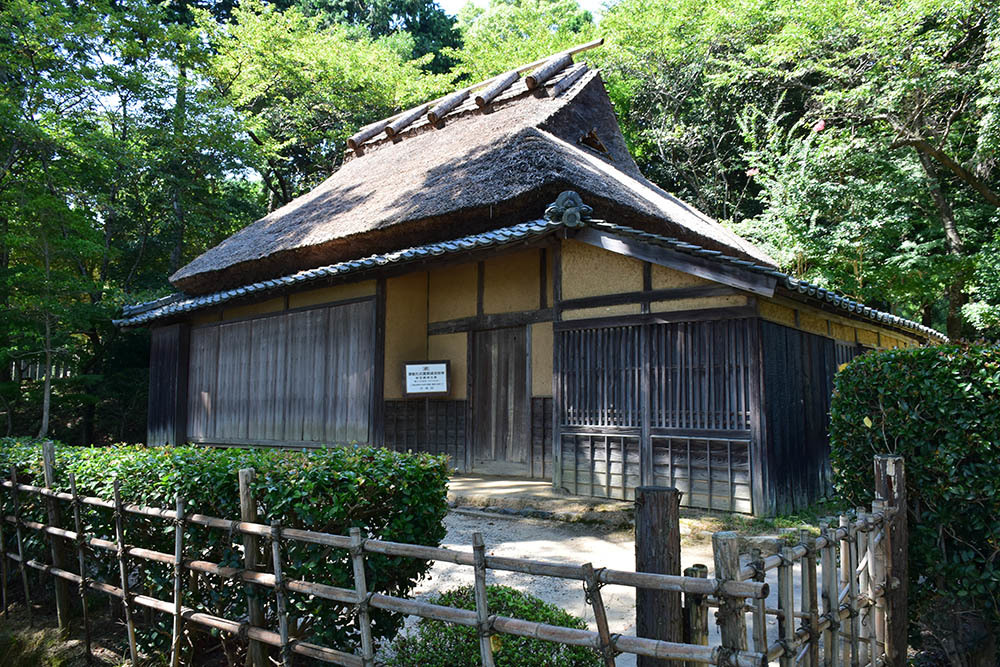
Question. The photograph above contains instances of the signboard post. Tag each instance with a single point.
(427, 378)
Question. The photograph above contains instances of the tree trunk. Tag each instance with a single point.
(43, 431)
(956, 290)
(176, 203)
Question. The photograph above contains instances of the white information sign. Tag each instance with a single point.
(426, 377)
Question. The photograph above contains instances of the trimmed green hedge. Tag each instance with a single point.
(439, 644)
(939, 408)
(392, 496)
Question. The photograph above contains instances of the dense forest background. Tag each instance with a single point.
(856, 140)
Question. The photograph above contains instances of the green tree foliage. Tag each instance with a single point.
(513, 32)
(301, 89)
(939, 408)
(856, 140)
(388, 495)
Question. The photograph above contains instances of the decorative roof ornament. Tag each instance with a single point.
(569, 209)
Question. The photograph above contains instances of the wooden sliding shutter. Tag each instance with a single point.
(692, 426)
(304, 377)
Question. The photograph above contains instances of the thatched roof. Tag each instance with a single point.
(475, 170)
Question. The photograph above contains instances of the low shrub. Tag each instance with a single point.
(438, 644)
(939, 408)
(389, 495)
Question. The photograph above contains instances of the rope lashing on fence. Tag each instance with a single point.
(593, 586)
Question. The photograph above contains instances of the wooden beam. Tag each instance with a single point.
(702, 267)
(493, 321)
(697, 292)
(701, 315)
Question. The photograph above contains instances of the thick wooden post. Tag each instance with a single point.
(695, 612)
(178, 628)
(123, 571)
(81, 552)
(482, 608)
(248, 512)
(831, 598)
(731, 616)
(759, 605)
(890, 488)
(658, 550)
(810, 600)
(55, 543)
(786, 603)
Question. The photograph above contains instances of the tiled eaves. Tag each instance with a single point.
(799, 287)
(177, 304)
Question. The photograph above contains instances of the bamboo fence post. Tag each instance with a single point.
(81, 552)
(831, 598)
(890, 487)
(55, 543)
(361, 586)
(876, 576)
(592, 594)
(3, 566)
(759, 604)
(123, 571)
(864, 590)
(20, 543)
(695, 612)
(279, 594)
(786, 603)
(248, 512)
(810, 602)
(849, 580)
(730, 617)
(482, 608)
(175, 645)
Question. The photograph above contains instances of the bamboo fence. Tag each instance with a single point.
(841, 616)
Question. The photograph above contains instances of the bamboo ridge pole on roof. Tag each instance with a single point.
(395, 124)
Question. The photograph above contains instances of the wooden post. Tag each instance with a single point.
(864, 611)
(876, 578)
(361, 586)
(849, 571)
(55, 543)
(731, 619)
(20, 543)
(759, 605)
(81, 552)
(592, 592)
(831, 598)
(123, 571)
(695, 612)
(657, 550)
(786, 603)
(482, 608)
(248, 512)
(175, 645)
(810, 600)
(3, 567)
(279, 594)
(890, 488)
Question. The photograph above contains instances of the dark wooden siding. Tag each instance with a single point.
(433, 425)
(696, 379)
(541, 437)
(798, 369)
(303, 377)
(168, 360)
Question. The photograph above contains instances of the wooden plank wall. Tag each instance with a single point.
(798, 369)
(301, 377)
(168, 361)
(541, 437)
(697, 428)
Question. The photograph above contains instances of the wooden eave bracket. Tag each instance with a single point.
(696, 266)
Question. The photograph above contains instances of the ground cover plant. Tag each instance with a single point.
(939, 408)
(389, 495)
(439, 644)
